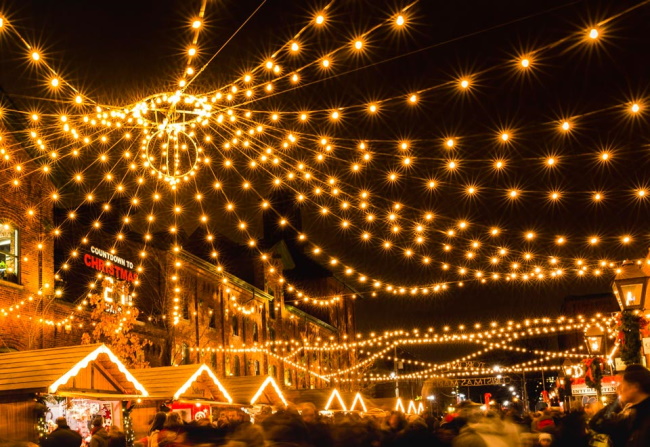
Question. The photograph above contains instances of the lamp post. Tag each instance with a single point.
(631, 287)
(631, 284)
(596, 340)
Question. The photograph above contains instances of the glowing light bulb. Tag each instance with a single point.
(358, 44)
(450, 143)
(413, 99)
(566, 126)
(400, 20)
(594, 33)
(196, 24)
(325, 63)
(191, 51)
(464, 84)
(505, 136)
(54, 82)
(525, 62)
(372, 108)
(635, 108)
(320, 19)
(36, 56)
(295, 47)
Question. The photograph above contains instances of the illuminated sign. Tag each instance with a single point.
(111, 265)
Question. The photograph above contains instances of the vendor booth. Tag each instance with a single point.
(190, 390)
(580, 391)
(76, 382)
(255, 390)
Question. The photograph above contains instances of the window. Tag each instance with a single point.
(228, 370)
(256, 335)
(272, 309)
(287, 377)
(237, 367)
(9, 254)
(269, 289)
(213, 319)
(235, 325)
(274, 371)
(272, 338)
(186, 355)
(257, 368)
(185, 308)
(213, 359)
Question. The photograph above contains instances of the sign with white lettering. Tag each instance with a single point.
(109, 264)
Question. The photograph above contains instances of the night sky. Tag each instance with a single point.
(121, 51)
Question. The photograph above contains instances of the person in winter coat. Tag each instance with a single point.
(631, 426)
(99, 434)
(117, 438)
(63, 436)
(487, 431)
(157, 425)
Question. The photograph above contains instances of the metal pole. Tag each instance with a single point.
(395, 371)
(525, 394)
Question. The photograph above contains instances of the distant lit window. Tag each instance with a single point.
(235, 325)
(9, 253)
(258, 371)
(236, 366)
(256, 331)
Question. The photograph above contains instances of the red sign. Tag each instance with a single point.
(109, 268)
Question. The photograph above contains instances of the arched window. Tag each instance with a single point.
(9, 253)
(237, 367)
(256, 335)
(228, 370)
(235, 325)
(257, 368)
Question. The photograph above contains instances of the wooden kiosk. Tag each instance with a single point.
(77, 382)
(190, 390)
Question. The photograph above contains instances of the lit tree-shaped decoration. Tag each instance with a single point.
(113, 323)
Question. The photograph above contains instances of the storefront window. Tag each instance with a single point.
(9, 253)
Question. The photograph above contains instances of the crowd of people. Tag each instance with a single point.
(623, 423)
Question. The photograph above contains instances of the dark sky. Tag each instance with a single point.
(120, 51)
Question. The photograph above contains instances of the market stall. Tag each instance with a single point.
(76, 382)
(580, 390)
(255, 390)
(190, 390)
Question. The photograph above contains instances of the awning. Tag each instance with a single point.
(183, 383)
(90, 371)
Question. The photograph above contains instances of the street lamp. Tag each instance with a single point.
(595, 338)
(631, 284)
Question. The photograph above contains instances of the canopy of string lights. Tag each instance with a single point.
(439, 178)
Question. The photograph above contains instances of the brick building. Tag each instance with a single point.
(223, 319)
